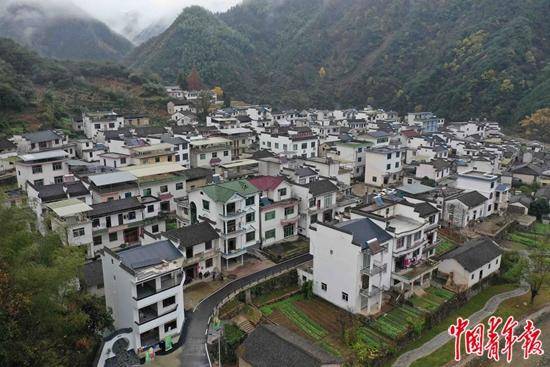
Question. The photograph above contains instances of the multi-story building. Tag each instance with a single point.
(351, 264)
(94, 122)
(121, 223)
(489, 186)
(136, 120)
(318, 203)
(40, 141)
(291, 143)
(143, 289)
(436, 170)
(383, 167)
(112, 186)
(427, 121)
(89, 151)
(279, 211)
(210, 152)
(241, 140)
(69, 218)
(41, 168)
(233, 208)
(200, 246)
(164, 181)
(354, 152)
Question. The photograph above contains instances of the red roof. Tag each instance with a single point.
(266, 183)
(409, 133)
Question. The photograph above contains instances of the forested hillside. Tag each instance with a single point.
(458, 58)
(38, 92)
(60, 30)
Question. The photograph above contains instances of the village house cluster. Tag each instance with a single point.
(158, 207)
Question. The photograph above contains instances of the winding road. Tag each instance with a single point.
(194, 334)
(406, 359)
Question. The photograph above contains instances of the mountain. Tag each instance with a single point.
(37, 92)
(457, 58)
(60, 30)
(152, 30)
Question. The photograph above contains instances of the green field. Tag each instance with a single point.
(444, 247)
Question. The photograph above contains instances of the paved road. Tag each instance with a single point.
(194, 354)
(406, 359)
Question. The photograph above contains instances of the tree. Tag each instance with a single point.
(226, 100)
(194, 81)
(219, 91)
(203, 105)
(539, 208)
(428, 181)
(45, 319)
(537, 271)
(537, 125)
(181, 81)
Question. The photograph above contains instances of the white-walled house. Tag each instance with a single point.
(353, 151)
(437, 169)
(94, 122)
(41, 168)
(383, 167)
(279, 212)
(70, 220)
(200, 245)
(351, 264)
(144, 290)
(465, 208)
(210, 152)
(112, 186)
(318, 203)
(470, 263)
(486, 184)
(233, 208)
(291, 143)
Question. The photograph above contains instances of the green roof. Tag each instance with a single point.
(224, 191)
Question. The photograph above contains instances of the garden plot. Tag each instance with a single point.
(434, 298)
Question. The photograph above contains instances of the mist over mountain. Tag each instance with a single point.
(458, 58)
(59, 29)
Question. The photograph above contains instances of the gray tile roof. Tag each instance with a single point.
(192, 235)
(114, 206)
(424, 209)
(149, 255)
(363, 231)
(92, 274)
(41, 136)
(472, 199)
(474, 254)
(275, 346)
(304, 171)
(320, 187)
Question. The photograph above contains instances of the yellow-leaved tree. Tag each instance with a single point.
(537, 125)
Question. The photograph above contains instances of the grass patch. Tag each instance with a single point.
(444, 247)
(267, 297)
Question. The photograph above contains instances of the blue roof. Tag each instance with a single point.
(502, 187)
(149, 255)
(363, 231)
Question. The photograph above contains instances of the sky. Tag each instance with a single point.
(117, 13)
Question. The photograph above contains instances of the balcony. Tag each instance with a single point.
(415, 271)
(375, 269)
(411, 246)
(150, 313)
(149, 288)
(372, 293)
(199, 257)
(233, 214)
(233, 253)
(232, 233)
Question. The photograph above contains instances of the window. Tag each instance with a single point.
(202, 156)
(179, 185)
(304, 145)
(206, 205)
(324, 286)
(113, 237)
(155, 228)
(225, 153)
(313, 144)
(417, 235)
(177, 158)
(38, 182)
(359, 159)
(128, 195)
(111, 125)
(295, 146)
(388, 156)
(250, 217)
(97, 126)
(209, 263)
(250, 200)
(122, 160)
(400, 242)
(169, 301)
(374, 178)
(58, 179)
(388, 166)
(285, 147)
(397, 154)
(170, 325)
(95, 222)
(311, 202)
(313, 218)
(282, 192)
(208, 245)
(250, 236)
(490, 195)
(269, 234)
(344, 296)
(150, 208)
(489, 266)
(328, 201)
(97, 240)
(396, 164)
(146, 192)
(214, 154)
(473, 276)
(131, 215)
(164, 188)
(36, 169)
(288, 230)
(489, 208)
(289, 211)
(496, 261)
(57, 166)
(270, 215)
(276, 145)
(492, 184)
(78, 232)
